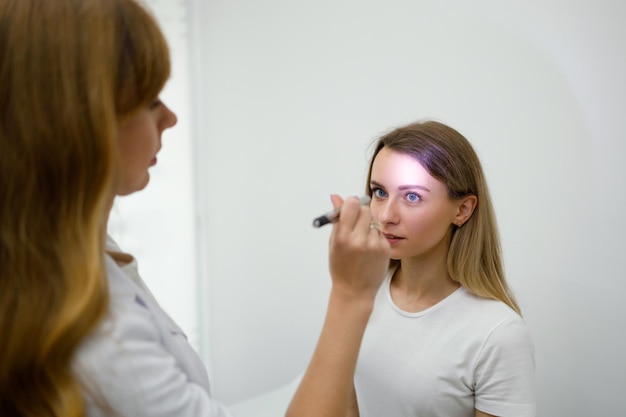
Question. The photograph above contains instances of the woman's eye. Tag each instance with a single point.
(378, 193)
(413, 197)
(156, 103)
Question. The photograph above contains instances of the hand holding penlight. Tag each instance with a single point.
(332, 216)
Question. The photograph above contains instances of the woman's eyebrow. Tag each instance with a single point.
(402, 187)
(412, 187)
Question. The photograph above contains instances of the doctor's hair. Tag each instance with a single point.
(70, 71)
(475, 254)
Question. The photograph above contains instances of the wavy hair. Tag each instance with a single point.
(474, 258)
(70, 71)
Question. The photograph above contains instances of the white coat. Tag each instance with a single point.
(138, 362)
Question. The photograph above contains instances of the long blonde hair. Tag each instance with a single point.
(474, 258)
(70, 70)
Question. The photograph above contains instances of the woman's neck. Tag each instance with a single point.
(420, 284)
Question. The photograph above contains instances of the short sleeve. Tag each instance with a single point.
(504, 376)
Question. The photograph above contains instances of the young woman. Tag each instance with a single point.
(81, 122)
(445, 337)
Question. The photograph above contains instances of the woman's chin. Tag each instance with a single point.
(127, 189)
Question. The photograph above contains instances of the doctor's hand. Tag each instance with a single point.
(358, 253)
(358, 262)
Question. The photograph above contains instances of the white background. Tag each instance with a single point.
(278, 102)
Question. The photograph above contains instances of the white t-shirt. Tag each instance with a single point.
(463, 353)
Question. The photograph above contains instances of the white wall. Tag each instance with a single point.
(287, 96)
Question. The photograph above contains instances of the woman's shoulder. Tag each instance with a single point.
(487, 306)
(488, 314)
(500, 330)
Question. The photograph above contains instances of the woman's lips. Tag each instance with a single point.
(392, 238)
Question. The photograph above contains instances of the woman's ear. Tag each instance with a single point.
(465, 209)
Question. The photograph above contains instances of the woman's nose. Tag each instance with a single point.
(169, 118)
(387, 212)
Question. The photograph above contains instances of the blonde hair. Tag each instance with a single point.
(474, 258)
(70, 70)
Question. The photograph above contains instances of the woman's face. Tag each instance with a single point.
(140, 141)
(413, 207)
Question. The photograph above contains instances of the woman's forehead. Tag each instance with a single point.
(394, 169)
